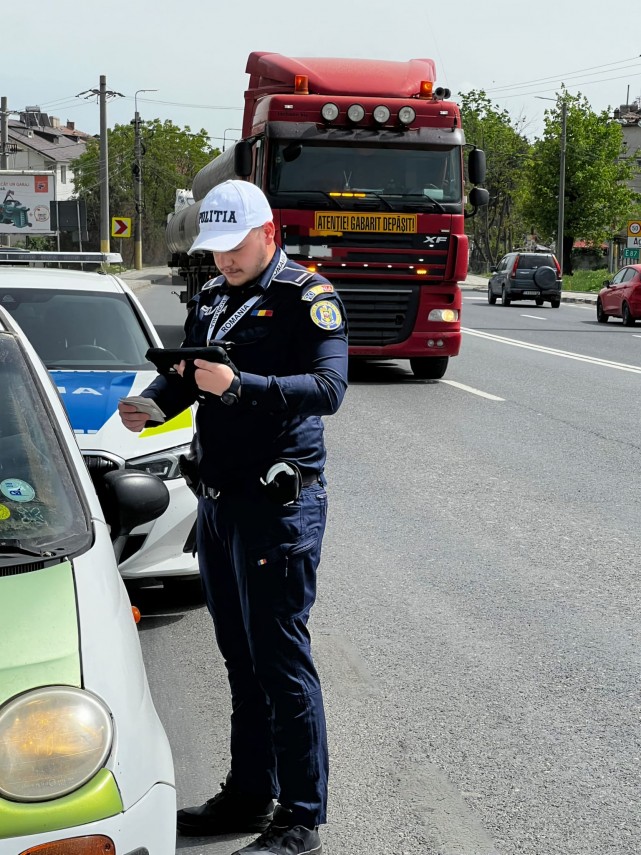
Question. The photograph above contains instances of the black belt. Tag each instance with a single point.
(214, 492)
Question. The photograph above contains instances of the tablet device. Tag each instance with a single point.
(164, 358)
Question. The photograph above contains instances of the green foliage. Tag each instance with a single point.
(597, 198)
(499, 226)
(586, 280)
(171, 158)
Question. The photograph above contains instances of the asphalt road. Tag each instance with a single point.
(477, 627)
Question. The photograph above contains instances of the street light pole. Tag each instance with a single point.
(560, 223)
(137, 174)
(104, 168)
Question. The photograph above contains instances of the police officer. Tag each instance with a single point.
(262, 510)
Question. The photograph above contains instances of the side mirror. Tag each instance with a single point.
(130, 499)
(493, 269)
(606, 283)
(479, 196)
(476, 166)
(243, 159)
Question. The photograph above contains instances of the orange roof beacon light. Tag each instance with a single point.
(301, 84)
(425, 89)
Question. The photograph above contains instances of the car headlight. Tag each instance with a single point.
(52, 741)
(447, 315)
(163, 464)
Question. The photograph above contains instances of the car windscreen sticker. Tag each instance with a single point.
(17, 490)
(5, 513)
(91, 397)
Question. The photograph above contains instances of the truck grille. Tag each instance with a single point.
(377, 315)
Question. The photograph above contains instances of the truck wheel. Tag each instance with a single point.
(429, 367)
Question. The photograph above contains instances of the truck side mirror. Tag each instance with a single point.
(243, 159)
(476, 166)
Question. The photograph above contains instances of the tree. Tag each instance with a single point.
(171, 158)
(598, 200)
(496, 228)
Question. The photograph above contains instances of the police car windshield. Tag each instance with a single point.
(40, 509)
(79, 330)
(400, 175)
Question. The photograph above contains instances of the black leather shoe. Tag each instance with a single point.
(226, 813)
(283, 838)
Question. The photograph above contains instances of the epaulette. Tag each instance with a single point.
(295, 274)
(211, 283)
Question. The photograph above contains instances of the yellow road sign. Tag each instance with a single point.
(121, 227)
(634, 228)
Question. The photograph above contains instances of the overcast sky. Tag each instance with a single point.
(194, 52)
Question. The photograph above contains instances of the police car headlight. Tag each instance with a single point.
(163, 464)
(52, 741)
(449, 316)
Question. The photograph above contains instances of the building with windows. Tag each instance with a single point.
(39, 142)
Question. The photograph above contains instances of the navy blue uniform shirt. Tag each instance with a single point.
(290, 347)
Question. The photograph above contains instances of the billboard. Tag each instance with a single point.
(25, 199)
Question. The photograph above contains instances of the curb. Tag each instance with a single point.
(565, 296)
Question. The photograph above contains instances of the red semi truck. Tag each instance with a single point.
(362, 162)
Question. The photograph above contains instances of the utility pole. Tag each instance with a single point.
(103, 95)
(137, 175)
(4, 146)
(560, 223)
(561, 220)
(104, 168)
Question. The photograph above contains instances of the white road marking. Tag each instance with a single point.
(472, 390)
(635, 335)
(566, 354)
(536, 317)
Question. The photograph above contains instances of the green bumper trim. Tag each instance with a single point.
(39, 643)
(98, 799)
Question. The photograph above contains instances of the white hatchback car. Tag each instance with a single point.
(92, 333)
(85, 765)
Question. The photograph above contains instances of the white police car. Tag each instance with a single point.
(85, 765)
(92, 334)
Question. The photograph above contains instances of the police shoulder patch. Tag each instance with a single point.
(326, 315)
(323, 288)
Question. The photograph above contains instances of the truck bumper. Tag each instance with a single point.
(438, 343)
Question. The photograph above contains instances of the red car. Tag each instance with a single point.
(621, 296)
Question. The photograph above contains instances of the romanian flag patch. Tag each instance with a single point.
(263, 313)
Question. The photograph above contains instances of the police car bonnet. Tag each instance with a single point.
(228, 213)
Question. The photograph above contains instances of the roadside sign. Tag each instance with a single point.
(634, 242)
(634, 228)
(631, 253)
(121, 227)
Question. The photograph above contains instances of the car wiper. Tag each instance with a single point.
(423, 200)
(12, 546)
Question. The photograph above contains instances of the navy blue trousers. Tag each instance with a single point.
(258, 563)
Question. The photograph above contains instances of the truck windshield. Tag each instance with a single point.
(40, 508)
(396, 174)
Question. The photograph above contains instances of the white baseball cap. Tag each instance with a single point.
(228, 213)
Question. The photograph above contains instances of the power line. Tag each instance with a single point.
(565, 74)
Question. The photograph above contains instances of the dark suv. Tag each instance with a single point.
(526, 275)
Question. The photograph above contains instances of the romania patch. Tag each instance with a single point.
(326, 315)
(263, 313)
(325, 288)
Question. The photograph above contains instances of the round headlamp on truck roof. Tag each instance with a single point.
(329, 112)
(406, 115)
(356, 113)
(381, 114)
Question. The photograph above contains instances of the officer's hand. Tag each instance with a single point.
(132, 418)
(213, 377)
